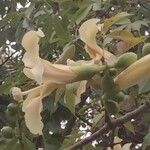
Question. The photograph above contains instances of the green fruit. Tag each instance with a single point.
(113, 71)
(108, 85)
(112, 107)
(146, 49)
(7, 132)
(119, 97)
(11, 116)
(13, 108)
(107, 82)
(126, 60)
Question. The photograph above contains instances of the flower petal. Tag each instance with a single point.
(33, 93)
(35, 73)
(57, 73)
(126, 146)
(135, 73)
(81, 89)
(30, 41)
(33, 117)
(87, 32)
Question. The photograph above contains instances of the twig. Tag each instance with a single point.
(7, 59)
(83, 119)
(106, 127)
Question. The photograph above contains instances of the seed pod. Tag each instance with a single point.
(146, 49)
(137, 72)
(126, 60)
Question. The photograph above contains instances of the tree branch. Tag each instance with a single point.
(115, 123)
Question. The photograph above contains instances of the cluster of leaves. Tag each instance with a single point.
(60, 20)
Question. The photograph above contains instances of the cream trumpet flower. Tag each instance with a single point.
(49, 76)
(135, 73)
(32, 105)
(80, 86)
(42, 71)
(39, 69)
(87, 33)
(31, 57)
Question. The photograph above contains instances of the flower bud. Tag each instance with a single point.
(17, 94)
(135, 73)
(7, 132)
(119, 97)
(13, 108)
(146, 49)
(126, 60)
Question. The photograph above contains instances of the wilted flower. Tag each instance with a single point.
(135, 73)
(87, 33)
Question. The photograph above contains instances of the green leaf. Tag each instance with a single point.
(97, 5)
(111, 21)
(144, 86)
(97, 118)
(123, 21)
(146, 142)
(137, 24)
(70, 139)
(61, 31)
(17, 146)
(112, 107)
(70, 97)
(129, 126)
(15, 79)
(11, 144)
(81, 14)
(68, 53)
(53, 125)
(28, 145)
(127, 37)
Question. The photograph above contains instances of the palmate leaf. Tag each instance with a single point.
(109, 22)
(127, 37)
